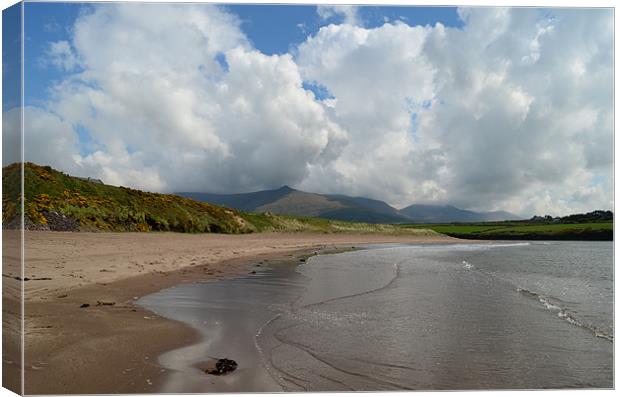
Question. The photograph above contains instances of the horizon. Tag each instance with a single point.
(378, 199)
(484, 109)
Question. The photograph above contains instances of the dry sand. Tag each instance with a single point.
(108, 348)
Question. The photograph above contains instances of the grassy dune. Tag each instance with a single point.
(57, 201)
(524, 230)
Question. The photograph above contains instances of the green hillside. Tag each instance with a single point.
(57, 201)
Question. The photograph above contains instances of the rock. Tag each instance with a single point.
(105, 303)
(62, 296)
(223, 366)
(253, 272)
(302, 259)
(16, 224)
(60, 222)
(84, 305)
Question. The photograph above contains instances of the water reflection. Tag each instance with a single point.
(397, 318)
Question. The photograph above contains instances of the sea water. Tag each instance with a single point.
(417, 317)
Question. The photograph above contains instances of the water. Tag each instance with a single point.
(467, 316)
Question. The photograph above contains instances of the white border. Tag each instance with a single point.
(488, 3)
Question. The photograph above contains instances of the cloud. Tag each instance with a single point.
(160, 111)
(512, 111)
(61, 55)
(374, 103)
(348, 13)
(47, 138)
(491, 116)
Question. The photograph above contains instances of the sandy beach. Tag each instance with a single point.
(112, 346)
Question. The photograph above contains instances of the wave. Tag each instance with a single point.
(467, 265)
(479, 246)
(502, 245)
(563, 313)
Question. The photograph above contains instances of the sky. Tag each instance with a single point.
(483, 108)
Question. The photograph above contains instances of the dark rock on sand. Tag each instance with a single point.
(223, 366)
(84, 305)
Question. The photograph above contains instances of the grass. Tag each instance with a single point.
(99, 207)
(524, 230)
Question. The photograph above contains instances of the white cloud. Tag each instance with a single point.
(163, 114)
(61, 55)
(500, 133)
(348, 13)
(513, 111)
(379, 78)
(47, 138)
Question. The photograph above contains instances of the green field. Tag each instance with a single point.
(523, 230)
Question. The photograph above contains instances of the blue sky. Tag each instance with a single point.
(11, 48)
(272, 29)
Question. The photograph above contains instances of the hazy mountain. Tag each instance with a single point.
(288, 201)
(241, 201)
(422, 213)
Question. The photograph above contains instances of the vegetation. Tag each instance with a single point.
(544, 229)
(57, 201)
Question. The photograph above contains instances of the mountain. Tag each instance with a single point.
(56, 201)
(241, 201)
(422, 213)
(288, 201)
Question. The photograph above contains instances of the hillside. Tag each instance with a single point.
(421, 213)
(288, 201)
(57, 201)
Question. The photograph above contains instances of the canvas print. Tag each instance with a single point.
(216, 198)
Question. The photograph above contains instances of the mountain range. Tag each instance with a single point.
(55, 201)
(289, 201)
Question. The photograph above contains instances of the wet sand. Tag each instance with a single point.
(107, 348)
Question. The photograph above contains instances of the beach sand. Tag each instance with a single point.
(112, 346)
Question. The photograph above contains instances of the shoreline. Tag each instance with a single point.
(116, 345)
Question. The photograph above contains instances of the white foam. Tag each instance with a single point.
(467, 265)
(564, 315)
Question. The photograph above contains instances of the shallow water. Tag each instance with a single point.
(466, 316)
